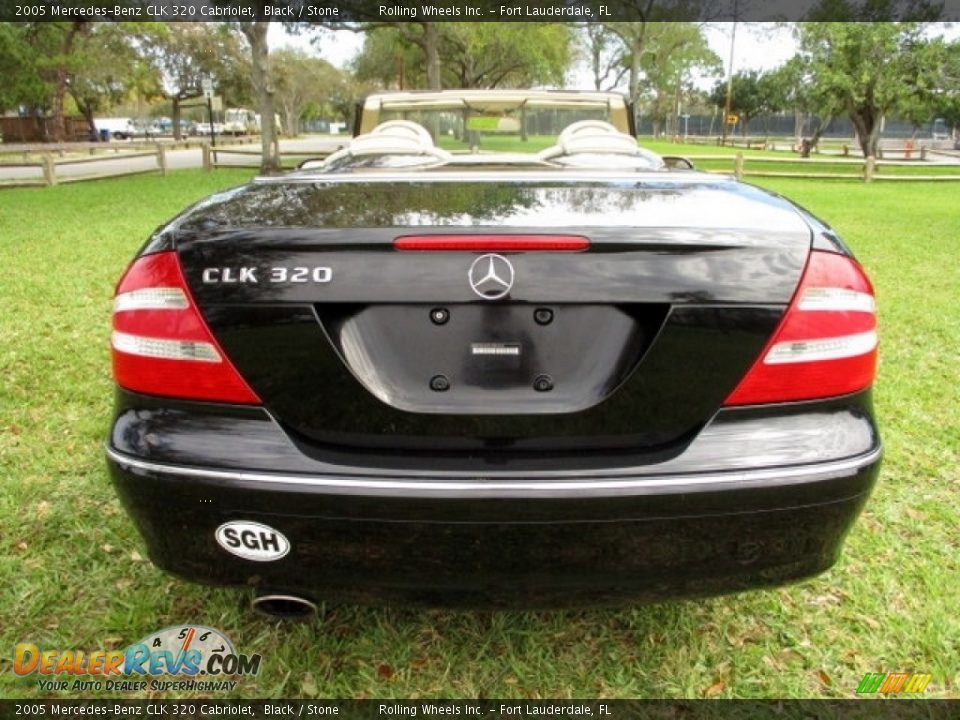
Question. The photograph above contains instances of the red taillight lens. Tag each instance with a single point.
(826, 343)
(493, 243)
(161, 345)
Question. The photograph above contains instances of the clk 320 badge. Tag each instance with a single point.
(228, 275)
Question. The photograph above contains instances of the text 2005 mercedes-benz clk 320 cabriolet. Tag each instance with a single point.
(427, 371)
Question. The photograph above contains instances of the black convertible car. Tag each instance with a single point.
(425, 370)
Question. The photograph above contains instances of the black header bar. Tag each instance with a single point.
(204, 709)
(340, 11)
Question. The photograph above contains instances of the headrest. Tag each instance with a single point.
(597, 137)
(394, 137)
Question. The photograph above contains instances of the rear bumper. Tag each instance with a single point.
(534, 539)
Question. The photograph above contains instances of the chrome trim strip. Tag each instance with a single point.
(483, 487)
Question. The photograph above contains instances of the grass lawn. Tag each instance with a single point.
(74, 569)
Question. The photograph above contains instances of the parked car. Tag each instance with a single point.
(164, 126)
(145, 128)
(203, 128)
(414, 374)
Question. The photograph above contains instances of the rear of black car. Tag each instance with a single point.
(492, 390)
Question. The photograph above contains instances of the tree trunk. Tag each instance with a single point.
(798, 122)
(177, 132)
(87, 112)
(868, 131)
(256, 34)
(806, 146)
(59, 128)
(432, 53)
(292, 119)
(634, 84)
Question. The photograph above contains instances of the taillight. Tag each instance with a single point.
(161, 344)
(826, 343)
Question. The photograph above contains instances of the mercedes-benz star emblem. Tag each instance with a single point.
(491, 276)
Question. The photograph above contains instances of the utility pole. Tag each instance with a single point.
(726, 110)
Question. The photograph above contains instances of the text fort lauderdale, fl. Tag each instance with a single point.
(547, 709)
(414, 12)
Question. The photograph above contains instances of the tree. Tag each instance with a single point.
(421, 37)
(108, 67)
(633, 36)
(92, 62)
(751, 93)
(40, 58)
(490, 55)
(189, 52)
(388, 60)
(866, 70)
(23, 83)
(946, 94)
(604, 56)
(672, 52)
(301, 81)
(256, 34)
(60, 65)
(475, 55)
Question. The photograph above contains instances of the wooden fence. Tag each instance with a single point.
(48, 165)
(251, 158)
(827, 146)
(99, 157)
(740, 165)
(868, 170)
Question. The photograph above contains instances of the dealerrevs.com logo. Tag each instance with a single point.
(181, 657)
(896, 683)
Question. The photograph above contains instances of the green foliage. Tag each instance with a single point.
(185, 53)
(472, 55)
(946, 91)
(106, 65)
(752, 93)
(301, 81)
(672, 52)
(658, 56)
(604, 56)
(386, 55)
(30, 54)
(867, 70)
(489, 55)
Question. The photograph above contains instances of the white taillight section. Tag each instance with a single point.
(797, 351)
(161, 298)
(836, 299)
(826, 343)
(168, 349)
(161, 343)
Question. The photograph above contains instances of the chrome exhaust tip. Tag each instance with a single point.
(277, 606)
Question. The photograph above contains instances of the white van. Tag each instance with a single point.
(120, 128)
